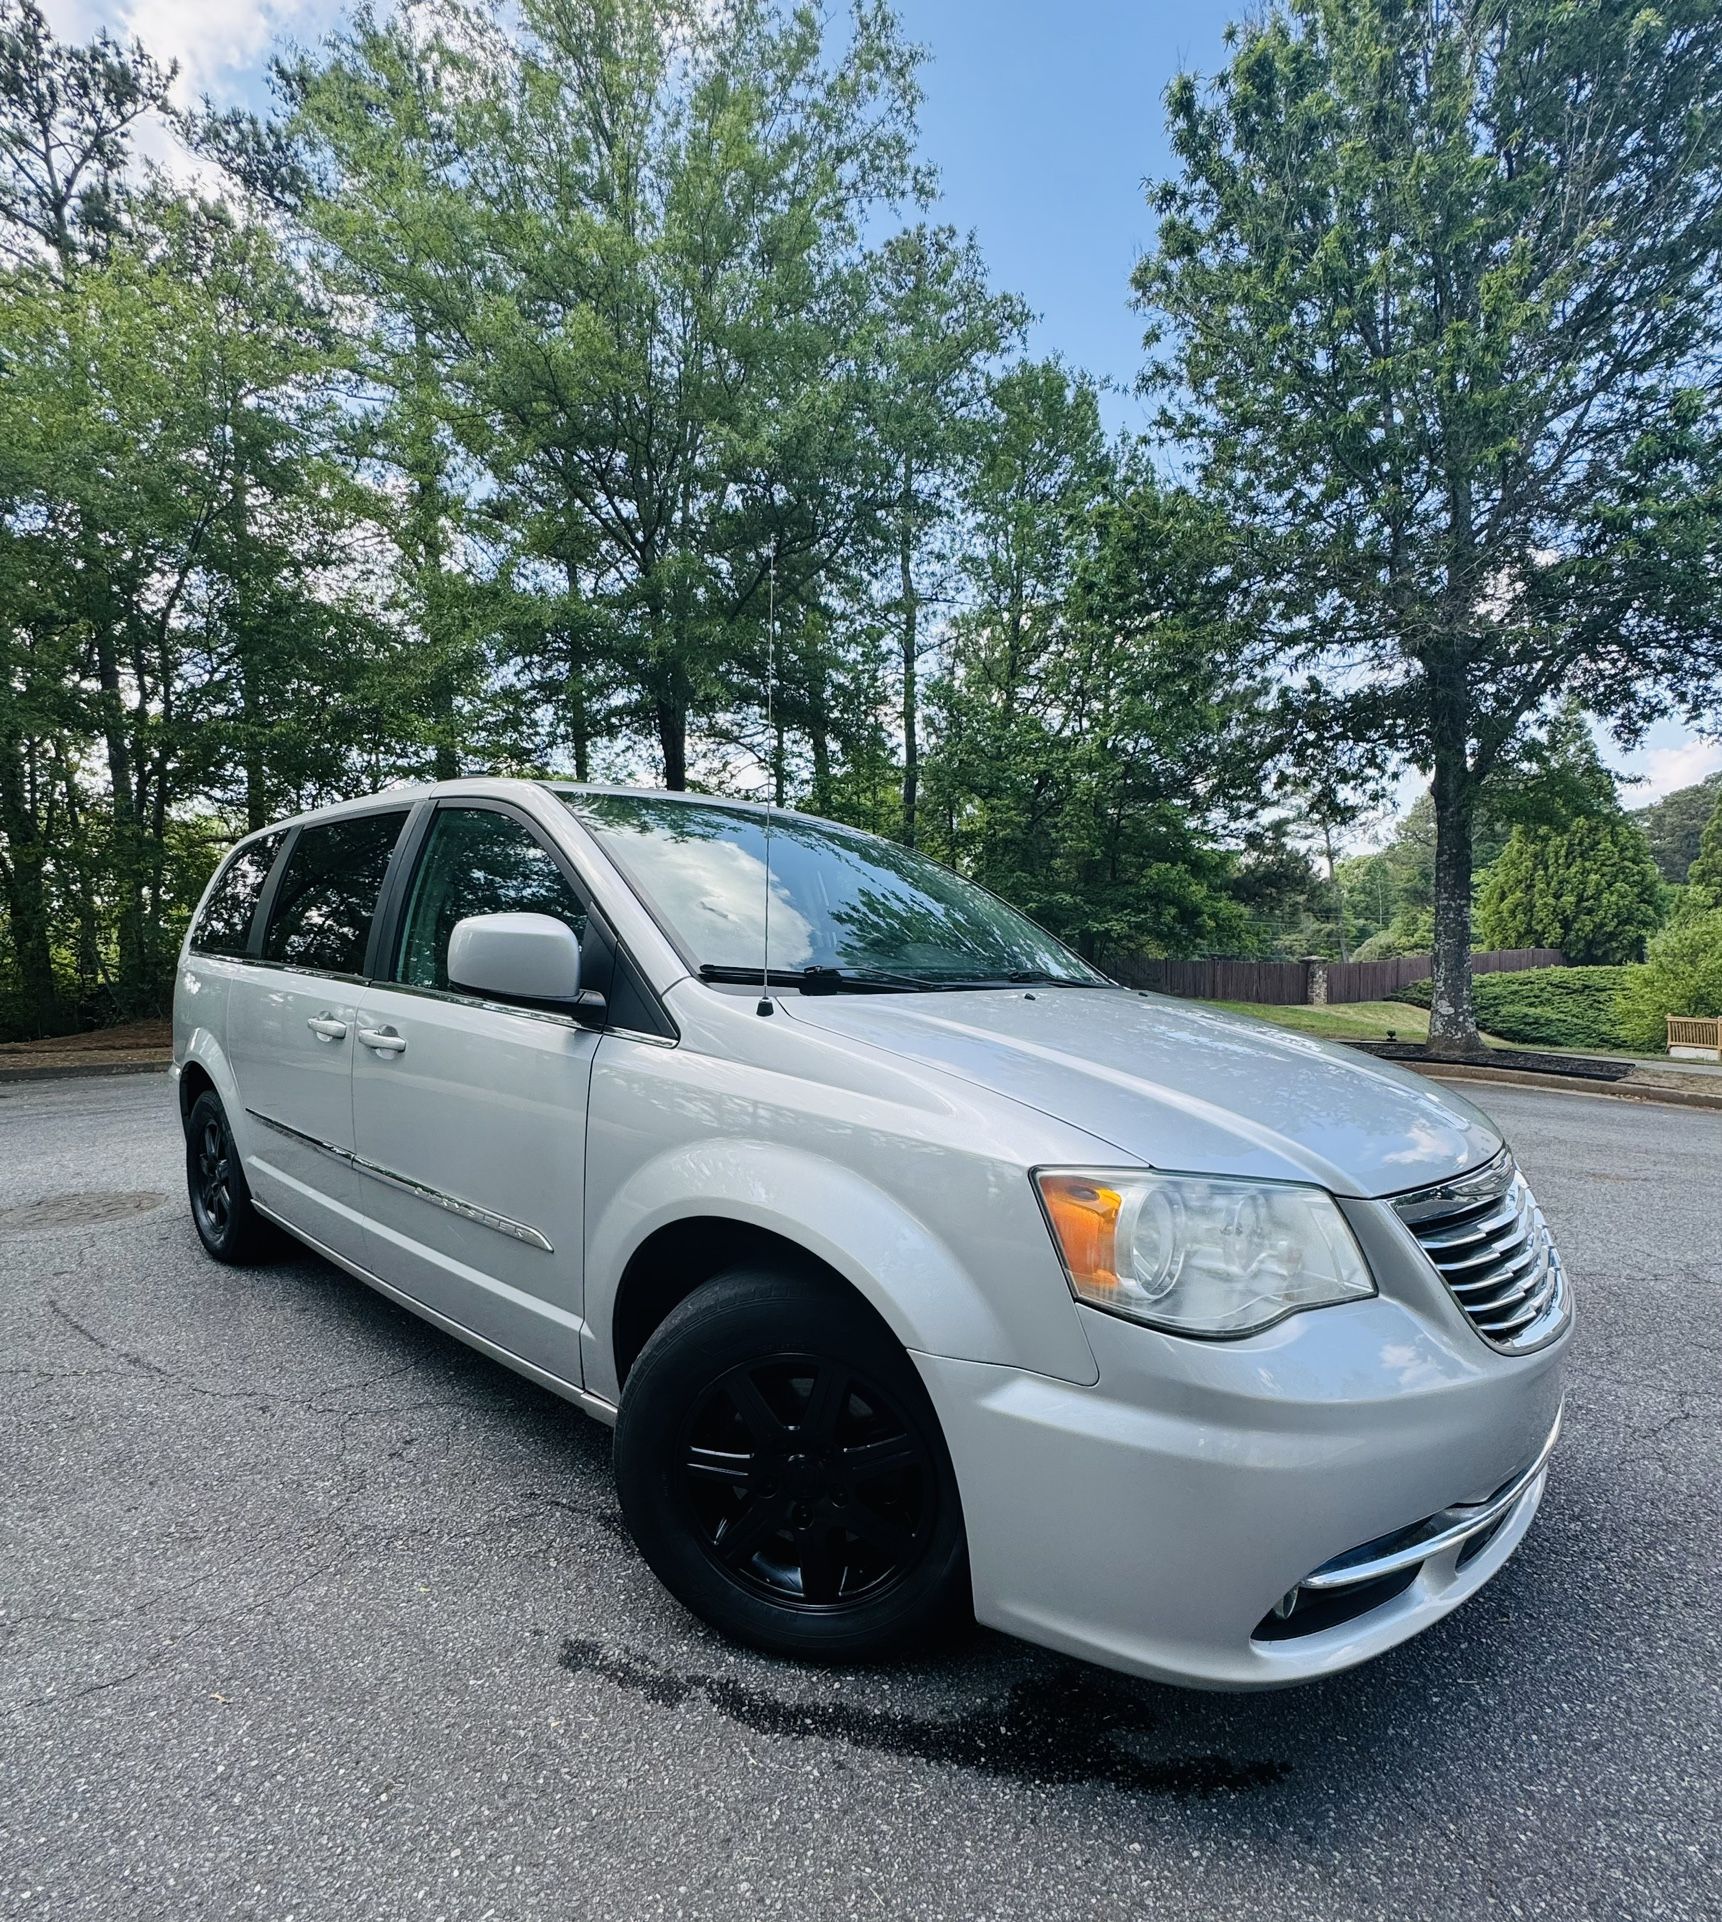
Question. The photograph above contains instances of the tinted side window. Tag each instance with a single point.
(323, 906)
(224, 926)
(477, 862)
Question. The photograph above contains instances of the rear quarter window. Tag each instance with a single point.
(224, 924)
(321, 919)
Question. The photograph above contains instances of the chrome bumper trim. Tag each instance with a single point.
(1453, 1527)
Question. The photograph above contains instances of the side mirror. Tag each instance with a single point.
(531, 958)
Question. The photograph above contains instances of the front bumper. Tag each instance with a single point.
(1155, 1521)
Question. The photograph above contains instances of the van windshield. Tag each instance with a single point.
(852, 907)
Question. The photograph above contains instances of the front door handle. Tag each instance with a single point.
(327, 1027)
(384, 1040)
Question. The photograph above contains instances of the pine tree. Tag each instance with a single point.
(1589, 888)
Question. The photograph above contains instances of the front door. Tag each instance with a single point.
(469, 1117)
(291, 1013)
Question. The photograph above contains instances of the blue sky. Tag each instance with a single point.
(1043, 120)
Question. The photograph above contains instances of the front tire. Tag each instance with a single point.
(227, 1224)
(782, 1471)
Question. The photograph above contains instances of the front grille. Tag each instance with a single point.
(1486, 1237)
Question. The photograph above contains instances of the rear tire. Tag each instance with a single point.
(782, 1471)
(227, 1224)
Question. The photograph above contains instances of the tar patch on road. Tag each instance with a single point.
(88, 1210)
(1058, 1731)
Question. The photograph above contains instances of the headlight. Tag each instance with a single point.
(1201, 1254)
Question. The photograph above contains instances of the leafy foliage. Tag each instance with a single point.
(1682, 975)
(1706, 869)
(1674, 824)
(1437, 290)
(1547, 1007)
(1589, 889)
(591, 385)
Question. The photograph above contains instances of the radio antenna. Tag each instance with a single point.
(765, 1004)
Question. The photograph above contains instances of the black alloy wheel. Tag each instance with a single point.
(212, 1192)
(229, 1227)
(805, 1482)
(782, 1470)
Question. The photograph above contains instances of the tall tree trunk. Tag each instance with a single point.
(579, 721)
(131, 988)
(1452, 1015)
(820, 738)
(252, 730)
(673, 740)
(1338, 891)
(911, 652)
(425, 469)
(23, 884)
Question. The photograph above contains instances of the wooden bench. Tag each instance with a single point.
(1694, 1037)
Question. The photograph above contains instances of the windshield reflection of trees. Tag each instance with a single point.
(865, 903)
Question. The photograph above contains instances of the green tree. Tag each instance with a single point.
(1589, 889)
(1577, 874)
(1682, 975)
(66, 120)
(940, 331)
(640, 267)
(1674, 824)
(1089, 747)
(1706, 869)
(1437, 284)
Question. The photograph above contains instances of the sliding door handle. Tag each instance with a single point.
(327, 1027)
(383, 1040)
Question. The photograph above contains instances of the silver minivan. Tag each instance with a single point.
(922, 1270)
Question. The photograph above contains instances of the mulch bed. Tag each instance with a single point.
(136, 1046)
(1578, 1067)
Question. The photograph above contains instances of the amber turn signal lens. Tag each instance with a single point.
(1084, 1217)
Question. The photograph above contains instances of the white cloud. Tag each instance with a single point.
(221, 45)
(1660, 770)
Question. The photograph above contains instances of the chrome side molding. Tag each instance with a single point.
(467, 1210)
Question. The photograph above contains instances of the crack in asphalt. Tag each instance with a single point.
(1056, 1731)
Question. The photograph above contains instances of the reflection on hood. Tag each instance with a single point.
(1178, 1085)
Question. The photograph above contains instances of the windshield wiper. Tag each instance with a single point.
(824, 980)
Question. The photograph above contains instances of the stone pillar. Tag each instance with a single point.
(1315, 981)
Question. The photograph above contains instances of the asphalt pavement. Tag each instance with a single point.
(309, 1611)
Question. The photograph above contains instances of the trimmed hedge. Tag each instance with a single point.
(1545, 1007)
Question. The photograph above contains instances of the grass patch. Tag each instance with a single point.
(1341, 1021)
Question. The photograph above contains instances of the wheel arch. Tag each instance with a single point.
(683, 1216)
(194, 1080)
(681, 1256)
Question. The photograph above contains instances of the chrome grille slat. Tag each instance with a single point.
(1502, 1271)
(1496, 1251)
(1509, 1297)
(1485, 1236)
(1474, 1230)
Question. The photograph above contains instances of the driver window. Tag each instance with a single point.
(476, 861)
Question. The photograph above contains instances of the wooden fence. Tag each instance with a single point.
(1295, 983)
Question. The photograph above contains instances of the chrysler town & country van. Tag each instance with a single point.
(921, 1269)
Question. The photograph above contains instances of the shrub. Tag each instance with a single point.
(1682, 975)
(1546, 1007)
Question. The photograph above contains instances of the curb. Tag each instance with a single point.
(1624, 1089)
(80, 1070)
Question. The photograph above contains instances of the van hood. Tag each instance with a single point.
(1178, 1085)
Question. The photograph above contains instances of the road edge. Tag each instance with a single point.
(1625, 1089)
